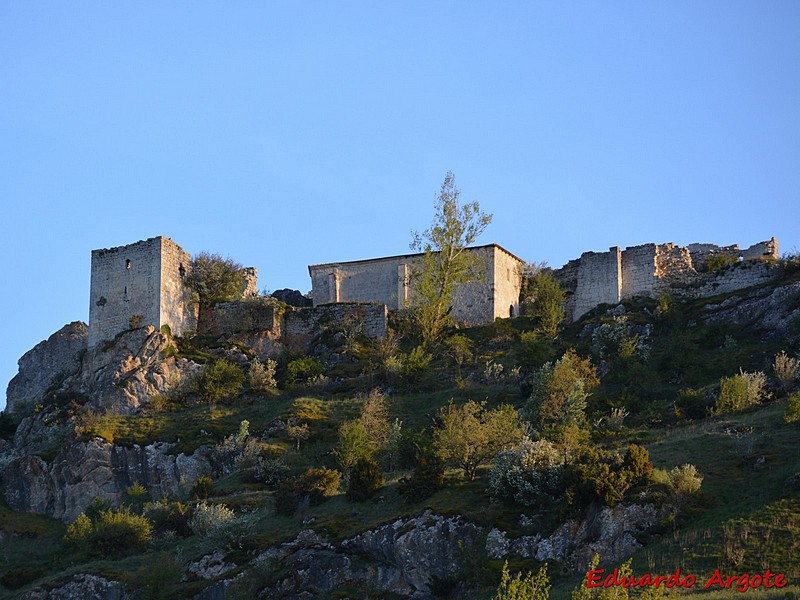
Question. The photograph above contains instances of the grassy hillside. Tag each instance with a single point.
(660, 366)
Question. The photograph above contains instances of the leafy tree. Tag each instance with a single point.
(523, 587)
(470, 436)
(786, 369)
(354, 444)
(300, 370)
(298, 433)
(560, 391)
(216, 279)
(446, 263)
(548, 300)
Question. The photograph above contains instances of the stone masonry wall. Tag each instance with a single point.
(599, 280)
(178, 308)
(302, 325)
(125, 281)
(390, 281)
(140, 282)
(653, 269)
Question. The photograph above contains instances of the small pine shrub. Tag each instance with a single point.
(365, 480)
(413, 364)
(137, 495)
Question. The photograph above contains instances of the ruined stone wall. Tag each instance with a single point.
(599, 280)
(250, 287)
(302, 325)
(652, 269)
(240, 317)
(140, 282)
(389, 281)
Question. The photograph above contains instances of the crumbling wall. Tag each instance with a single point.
(302, 325)
(599, 280)
(652, 269)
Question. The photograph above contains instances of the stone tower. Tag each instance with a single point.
(140, 284)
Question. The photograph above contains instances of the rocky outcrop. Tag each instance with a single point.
(84, 471)
(609, 533)
(47, 364)
(292, 298)
(124, 374)
(771, 309)
(81, 587)
(403, 557)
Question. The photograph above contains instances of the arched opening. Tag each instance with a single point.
(127, 263)
(511, 310)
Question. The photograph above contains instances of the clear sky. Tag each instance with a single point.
(283, 134)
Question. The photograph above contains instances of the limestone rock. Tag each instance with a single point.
(81, 587)
(126, 373)
(84, 471)
(47, 364)
(209, 566)
(292, 298)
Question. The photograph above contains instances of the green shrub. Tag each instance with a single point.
(684, 480)
(113, 533)
(168, 516)
(786, 369)
(365, 480)
(303, 369)
(792, 413)
(718, 261)
(740, 392)
(354, 444)
(202, 488)
(523, 587)
(218, 380)
(216, 279)
(314, 484)
(262, 375)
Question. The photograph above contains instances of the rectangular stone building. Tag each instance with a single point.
(140, 284)
(390, 281)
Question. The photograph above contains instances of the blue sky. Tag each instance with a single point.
(283, 134)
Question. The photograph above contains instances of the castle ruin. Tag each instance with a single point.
(140, 284)
(493, 293)
(144, 283)
(653, 269)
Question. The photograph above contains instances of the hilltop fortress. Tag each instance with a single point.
(144, 283)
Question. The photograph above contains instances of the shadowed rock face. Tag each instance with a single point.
(84, 471)
(46, 364)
